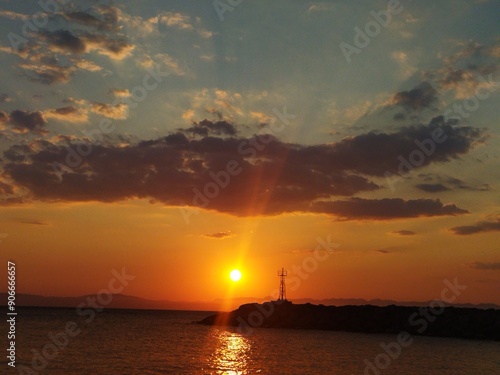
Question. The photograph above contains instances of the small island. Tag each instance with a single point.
(435, 320)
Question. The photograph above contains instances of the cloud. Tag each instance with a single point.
(63, 41)
(438, 183)
(83, 18)
(377, 153)
(176, 20)
(105, 18)
(432, 188)
(142, 27)
(27, 121)
(421, 97)
(382, 251)
(485, 266)
(6, 189)
(466, 82)
(172, 64)
(459, 184)
(479, 227)
(207, 127)
(78, 42)
(386, 208)
(69, 113)
(404, 232)
(268, 176)
(5, 98)
(279, 178)
(404, 62)
(118, 111)
(121, 93)
(114, 48)
(182, 22)
(86, 65)
(53, 54)
(33, 222)
(71, 100)
(468, 70)
(320, 7)
(162, 59)
(222, 104)
(220, 235)
(47, 73)
(13, 15)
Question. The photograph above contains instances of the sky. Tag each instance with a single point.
(354, 143)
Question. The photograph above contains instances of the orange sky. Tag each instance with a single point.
(114, 117)
(72, 250)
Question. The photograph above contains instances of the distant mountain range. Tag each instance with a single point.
(122, 301)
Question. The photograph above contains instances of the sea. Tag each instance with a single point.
(62, 341)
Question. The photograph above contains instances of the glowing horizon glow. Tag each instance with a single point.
(235, 275)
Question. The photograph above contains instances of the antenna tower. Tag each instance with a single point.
(282, 274)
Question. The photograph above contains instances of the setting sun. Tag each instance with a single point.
(235, 275)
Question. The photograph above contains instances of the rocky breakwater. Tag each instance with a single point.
(438, 321)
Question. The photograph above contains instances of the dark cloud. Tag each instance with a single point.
(386, 209)
(466, 70)
(399, 116)
(382, 251)
(27, 121)
(176, 171)
(17, 153)
(459, 184)
(404, 232)
(33, 222)
(421, 97)
(53, 55)
(64, 41)
(479, 227)
(377, 153)
(63, 111)
(268, 176)
(220, 235)
(432, 188)
(434, 184)
(488, 266)
(83, 18)
(207, 127)
(6, 189)
(105, 18)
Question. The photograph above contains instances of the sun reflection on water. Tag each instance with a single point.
(232, 355)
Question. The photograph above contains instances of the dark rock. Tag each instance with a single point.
(468, 323)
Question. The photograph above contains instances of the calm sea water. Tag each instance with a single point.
(166, 342)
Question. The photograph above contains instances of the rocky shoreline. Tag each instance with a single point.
(436, 320)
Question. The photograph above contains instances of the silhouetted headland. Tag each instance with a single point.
(438, 320)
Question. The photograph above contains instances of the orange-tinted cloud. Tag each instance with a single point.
(479, 227)
(267, 176)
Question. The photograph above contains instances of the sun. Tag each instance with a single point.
(235, 275)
